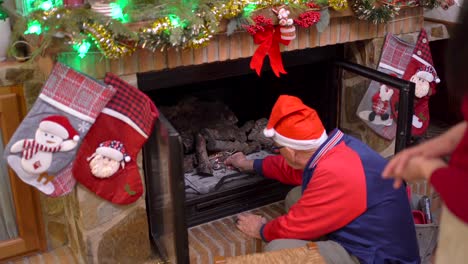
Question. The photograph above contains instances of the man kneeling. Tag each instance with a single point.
(341, 198)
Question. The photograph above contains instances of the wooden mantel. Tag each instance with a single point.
(343, 28)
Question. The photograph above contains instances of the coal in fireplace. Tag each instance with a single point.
(211, 110)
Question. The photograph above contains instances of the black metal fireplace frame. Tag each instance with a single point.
(178, 249)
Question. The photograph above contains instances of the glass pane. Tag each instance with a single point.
(8, 228)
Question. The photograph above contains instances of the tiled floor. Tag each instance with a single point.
(61, 255)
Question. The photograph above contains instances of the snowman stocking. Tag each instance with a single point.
(48, 137)
(106, 162)
(375, 107)
(421, 71)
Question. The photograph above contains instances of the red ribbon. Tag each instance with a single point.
(269, 41)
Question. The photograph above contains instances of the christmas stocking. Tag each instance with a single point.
(421, 71)
(375, 107)
(48, 138)
(106, 162)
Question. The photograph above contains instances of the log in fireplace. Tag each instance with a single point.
(171, 205)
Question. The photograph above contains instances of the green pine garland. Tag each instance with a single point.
(368, 10)
(3, 12)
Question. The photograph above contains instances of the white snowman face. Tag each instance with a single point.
(48, 139)
(103, 167)
(422, 86)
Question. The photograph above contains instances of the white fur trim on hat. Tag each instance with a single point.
(110, 153)
(425, 75)
(54, 128)
(299, 144)
(269, 132)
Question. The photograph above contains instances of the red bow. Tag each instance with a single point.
(269, 41)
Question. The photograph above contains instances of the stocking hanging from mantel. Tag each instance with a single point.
(379, 106)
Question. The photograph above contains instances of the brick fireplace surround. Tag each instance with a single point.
(100, 232)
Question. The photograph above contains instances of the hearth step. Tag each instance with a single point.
(222, 238)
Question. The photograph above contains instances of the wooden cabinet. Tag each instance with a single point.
(29, 221)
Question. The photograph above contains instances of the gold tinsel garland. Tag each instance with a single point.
(338, 5)
(111, 48)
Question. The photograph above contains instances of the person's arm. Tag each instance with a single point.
(332, 200)
(273, 167)
(435, 148)
(276, 167)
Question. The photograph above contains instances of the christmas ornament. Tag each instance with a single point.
(47, 139)
(287, 29)
(268, 37)
(374, 11)
(106, 161)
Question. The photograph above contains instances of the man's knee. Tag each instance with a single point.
(279, 244)
(293, 196)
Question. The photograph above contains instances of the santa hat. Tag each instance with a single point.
(295, 125)
(423, 55)
(60, 126)
(113, 149)
(428, 73)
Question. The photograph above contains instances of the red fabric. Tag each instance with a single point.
(125, 185)
(276, 168)
(269, 41)
(452, 182)
(76, 91)
(379, 106)
(332, 198)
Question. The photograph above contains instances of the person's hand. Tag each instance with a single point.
(239, 161)
(396, 165)
(250, 224)
(416, 168)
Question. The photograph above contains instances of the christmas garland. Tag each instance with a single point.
(374, 11)
(3, 12)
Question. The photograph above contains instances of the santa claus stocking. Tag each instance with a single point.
(421, 71)
(106, 162)
(375, 107)
(48, 138)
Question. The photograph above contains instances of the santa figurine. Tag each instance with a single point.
(381, 103)
(108, 158)
(54, 134)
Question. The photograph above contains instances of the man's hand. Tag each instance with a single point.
(250, 224)
(239, 161)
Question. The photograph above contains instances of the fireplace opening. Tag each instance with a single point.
(226, 105)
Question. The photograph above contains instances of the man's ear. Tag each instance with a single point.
(289, 151)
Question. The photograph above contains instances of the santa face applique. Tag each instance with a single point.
(108, 158)
(422, 86)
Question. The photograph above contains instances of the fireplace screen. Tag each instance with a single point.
(208, 115)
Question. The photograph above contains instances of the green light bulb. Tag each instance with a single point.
(82, 48)
(34, 27)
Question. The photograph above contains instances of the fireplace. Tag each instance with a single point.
(312, 76)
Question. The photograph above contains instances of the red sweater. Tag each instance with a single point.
(332, 198)
(452, 182)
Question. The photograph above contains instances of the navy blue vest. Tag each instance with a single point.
(385, 232)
